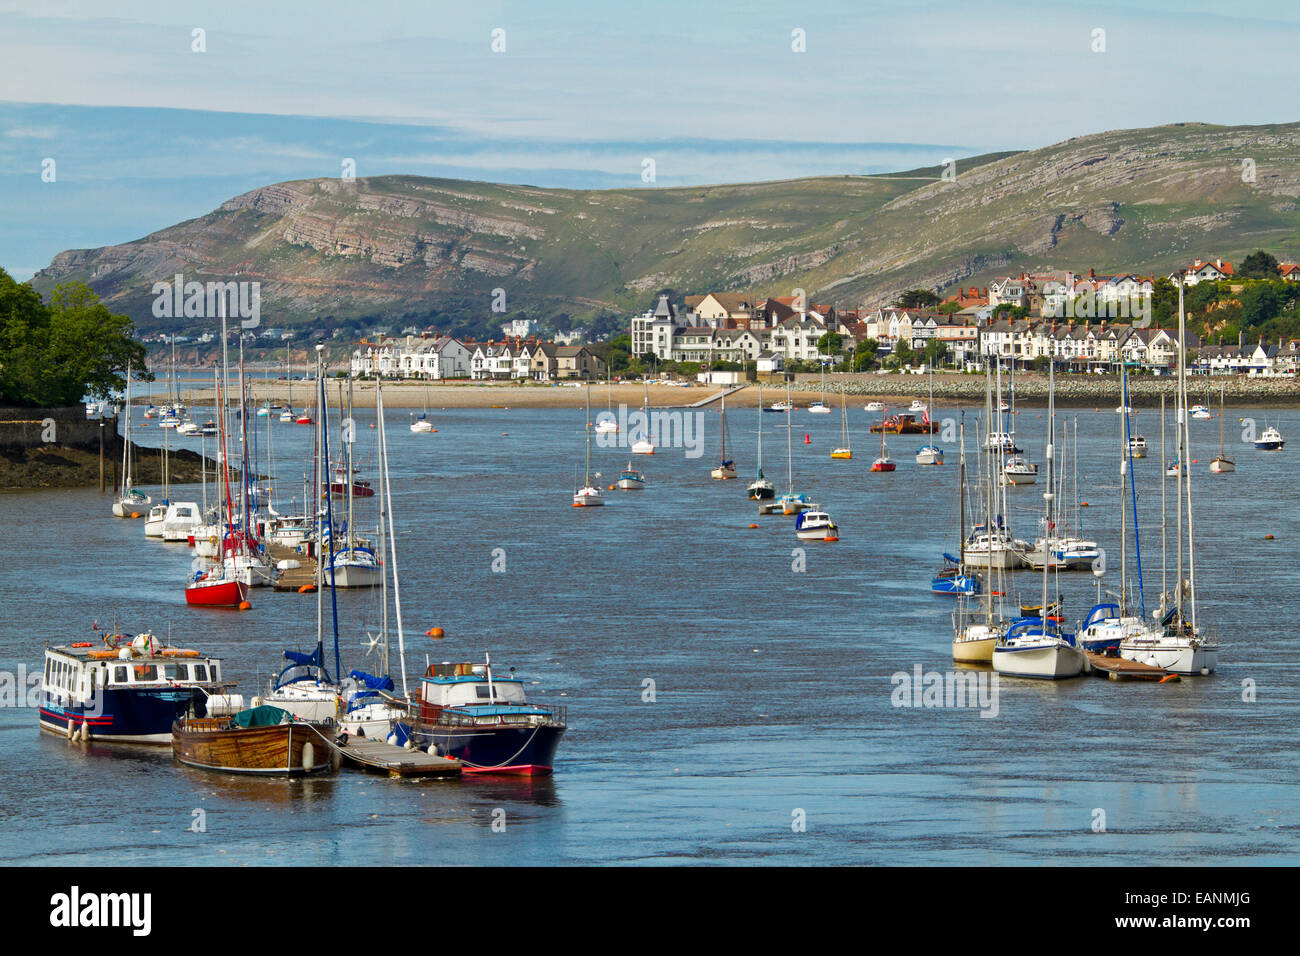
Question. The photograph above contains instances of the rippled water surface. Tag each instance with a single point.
(773, 689)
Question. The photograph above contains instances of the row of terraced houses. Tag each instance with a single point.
(1072, 318)
(443, 357)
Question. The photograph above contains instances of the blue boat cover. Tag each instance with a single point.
(374, 683)
(298, 657)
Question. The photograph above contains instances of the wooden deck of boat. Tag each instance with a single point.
(1117, 668)
(382, 757)
(293, 578)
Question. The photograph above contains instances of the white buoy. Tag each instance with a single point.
(308, 756)
(392, 739)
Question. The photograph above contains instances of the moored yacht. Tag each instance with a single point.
(1019, 470)
(466, 712)
(128, 689)
(1270, 440)
(929, 455)
(630, 479)
(816, 525)
(1040, 649)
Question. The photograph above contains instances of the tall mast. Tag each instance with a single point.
(760, 430)
(329, 517)
(1164, 547)
(392, 542)
(1123, 493)
(1187, 441)
(789, 450)
(1180, 412)
(383, 541)
(1049, 494)
(1132, 490)
(587, 429)
(313, 502)
(126, 444)
(961, 495)
(724, 428)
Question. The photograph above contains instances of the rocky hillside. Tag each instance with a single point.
(395, 245)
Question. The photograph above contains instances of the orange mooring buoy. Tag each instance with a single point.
(1083, 504)
(753, 526)
(807, 439)
(434, 632)
(307, 589)
(1268, 537)
(244, 605)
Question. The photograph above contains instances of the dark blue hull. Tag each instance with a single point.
(965, 584)
(489, 749)
(127, 716)
(1108, 648)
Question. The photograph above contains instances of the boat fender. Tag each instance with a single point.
(308, 756)
(432, 750)
(392, 739)
(71, 729)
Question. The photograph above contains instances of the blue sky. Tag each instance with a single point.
(145, 132)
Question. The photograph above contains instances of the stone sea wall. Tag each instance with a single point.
(1071, 389)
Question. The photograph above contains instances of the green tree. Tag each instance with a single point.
(935, 351)
(864, 355)
(831, 344)
(1260, 301)
(918, 299)
(950, 308)
(57, 354)
(1259, 265)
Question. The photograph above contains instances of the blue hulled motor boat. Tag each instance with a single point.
(129, 689)
(466, 712)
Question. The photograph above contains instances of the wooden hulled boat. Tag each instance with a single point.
(263, 740)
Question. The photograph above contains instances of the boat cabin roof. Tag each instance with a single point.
(104, 654)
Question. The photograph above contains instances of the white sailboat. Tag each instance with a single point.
(1181, 645)
(844, 451)
(975, 631)
(421, 425)
(644, 445)
(1222, 464)
(726, 467)
(1040, 647)
(132, 503)
(761, 488)
(607, 424)
(588, 496)
(820, 407)
(353, 565)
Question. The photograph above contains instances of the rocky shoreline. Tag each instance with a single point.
(61, 466)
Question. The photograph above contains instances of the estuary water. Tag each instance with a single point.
(769, 734)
